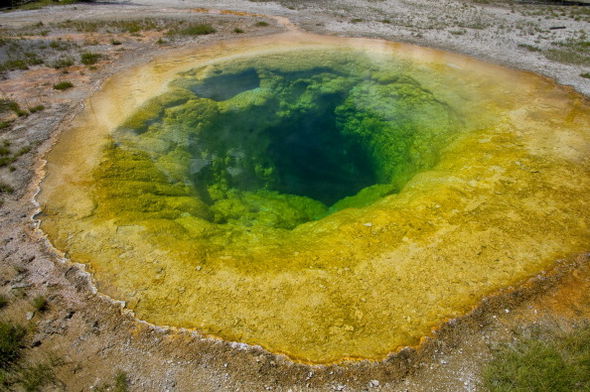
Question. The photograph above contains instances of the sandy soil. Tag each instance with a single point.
(96, 337)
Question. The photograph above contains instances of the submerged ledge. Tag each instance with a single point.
(501, 204)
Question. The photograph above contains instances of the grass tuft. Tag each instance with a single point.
(11, 340)
(63, 85)
(40, 303)
(194, 29)
(556, 363)
(121, 382)
(36, 108)
(88, 58)
(5, 188)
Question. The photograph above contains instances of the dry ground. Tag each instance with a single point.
(94, 337)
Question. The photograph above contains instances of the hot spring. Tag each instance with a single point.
(325, 198)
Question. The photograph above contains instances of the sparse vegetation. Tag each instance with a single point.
(572, 51)
(7, 157)
(547, 362)
(585, 75)
(63, 62)
(261, 23)
(7, 105)
(121, 384)
(63, 85)
(237, 30)
(530, 48)
(3, 301)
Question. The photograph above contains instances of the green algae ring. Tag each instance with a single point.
(325, 198)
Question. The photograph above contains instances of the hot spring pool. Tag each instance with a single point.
(325, 198)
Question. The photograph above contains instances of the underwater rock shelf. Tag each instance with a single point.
(325, 198)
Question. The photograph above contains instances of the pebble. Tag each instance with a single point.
(374, 384)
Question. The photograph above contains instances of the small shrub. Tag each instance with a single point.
(5, 188)
(11, 339)
(356, 20)
(40, 303)
(88, 58)
(36, 108)
(261, 24)
(237, 30)
(585, 75)
(63, 85)
(115, 42)
(4, 124)
(3, 301)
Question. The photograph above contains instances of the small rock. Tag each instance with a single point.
(198, 268)
(368, 224)
(374, 384)
(339, 387)
(30, 315)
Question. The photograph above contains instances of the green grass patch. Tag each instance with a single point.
(237, 30)
(36, 108)
(551, 363)
(5, 188)
(88, 58)
(585, 75)
(572, 51)
(121, 382)
(62, 62)
(261, 23)
(63, 85)
(194, 29)
(530, 48)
